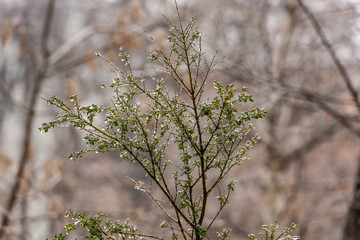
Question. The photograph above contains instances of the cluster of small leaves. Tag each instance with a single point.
(210, 133)
(224, 234)
(100, 227)
(271, 232)
(81, 117)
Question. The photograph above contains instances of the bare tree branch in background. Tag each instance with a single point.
(328, 46)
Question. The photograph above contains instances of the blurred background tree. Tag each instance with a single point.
(299, 58)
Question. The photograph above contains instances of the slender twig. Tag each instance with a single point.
(139, 185)
(328, 46)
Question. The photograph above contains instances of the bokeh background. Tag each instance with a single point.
(299, 58)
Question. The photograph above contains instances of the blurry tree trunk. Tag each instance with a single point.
(275, 160)
(352, 225)
(34, 96)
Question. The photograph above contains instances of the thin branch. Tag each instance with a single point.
(72, 43)
(343, 120)
(139, 186)
(326, 43)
